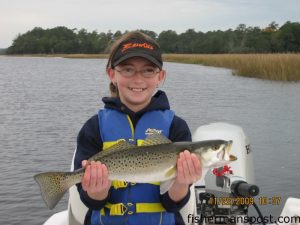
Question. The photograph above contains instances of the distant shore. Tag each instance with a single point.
(280, 67)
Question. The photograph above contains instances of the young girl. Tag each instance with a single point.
(135, 69)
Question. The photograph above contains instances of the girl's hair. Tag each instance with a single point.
(130, 35)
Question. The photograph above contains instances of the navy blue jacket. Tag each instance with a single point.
(89, 143)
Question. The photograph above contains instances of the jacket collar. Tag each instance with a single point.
(159, 101)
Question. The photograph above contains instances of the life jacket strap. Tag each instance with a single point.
(119, 209)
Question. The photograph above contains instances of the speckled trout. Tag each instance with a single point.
(153, 161)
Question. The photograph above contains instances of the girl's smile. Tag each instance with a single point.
(137, 89)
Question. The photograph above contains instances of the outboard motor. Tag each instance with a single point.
(226, 192)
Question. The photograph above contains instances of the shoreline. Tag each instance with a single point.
(278, 67)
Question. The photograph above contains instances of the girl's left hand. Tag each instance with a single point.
(189, 168)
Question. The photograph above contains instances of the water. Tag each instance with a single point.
(45, 101)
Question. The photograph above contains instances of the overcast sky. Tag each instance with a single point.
(19, 16)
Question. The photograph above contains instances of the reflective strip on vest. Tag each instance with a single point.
(119, 184)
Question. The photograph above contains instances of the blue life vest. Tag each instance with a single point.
(133, 203)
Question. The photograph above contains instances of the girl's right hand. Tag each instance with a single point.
(95, 180)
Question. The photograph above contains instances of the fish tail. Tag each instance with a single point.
(53, 186)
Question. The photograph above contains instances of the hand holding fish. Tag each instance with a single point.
(189, 170)
(95, 180)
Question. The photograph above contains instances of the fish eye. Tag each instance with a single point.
(215, 147)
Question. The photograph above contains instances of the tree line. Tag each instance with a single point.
(243, 39)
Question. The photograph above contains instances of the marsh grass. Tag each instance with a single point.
(283, 67)
(86, 56)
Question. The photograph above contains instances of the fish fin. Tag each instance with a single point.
(155, 139)
(53, 186)
(171, 172)
(122, 144)
(166, 185)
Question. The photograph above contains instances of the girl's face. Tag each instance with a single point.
(135, 91)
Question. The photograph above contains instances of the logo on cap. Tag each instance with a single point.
(136, 45)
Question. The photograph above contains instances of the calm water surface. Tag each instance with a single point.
(45, 101)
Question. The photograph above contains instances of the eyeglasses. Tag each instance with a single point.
(130, 72)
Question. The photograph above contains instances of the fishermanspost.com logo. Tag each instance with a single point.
(197, 219)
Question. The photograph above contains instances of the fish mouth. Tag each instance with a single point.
(232, 158)
(227, 151)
